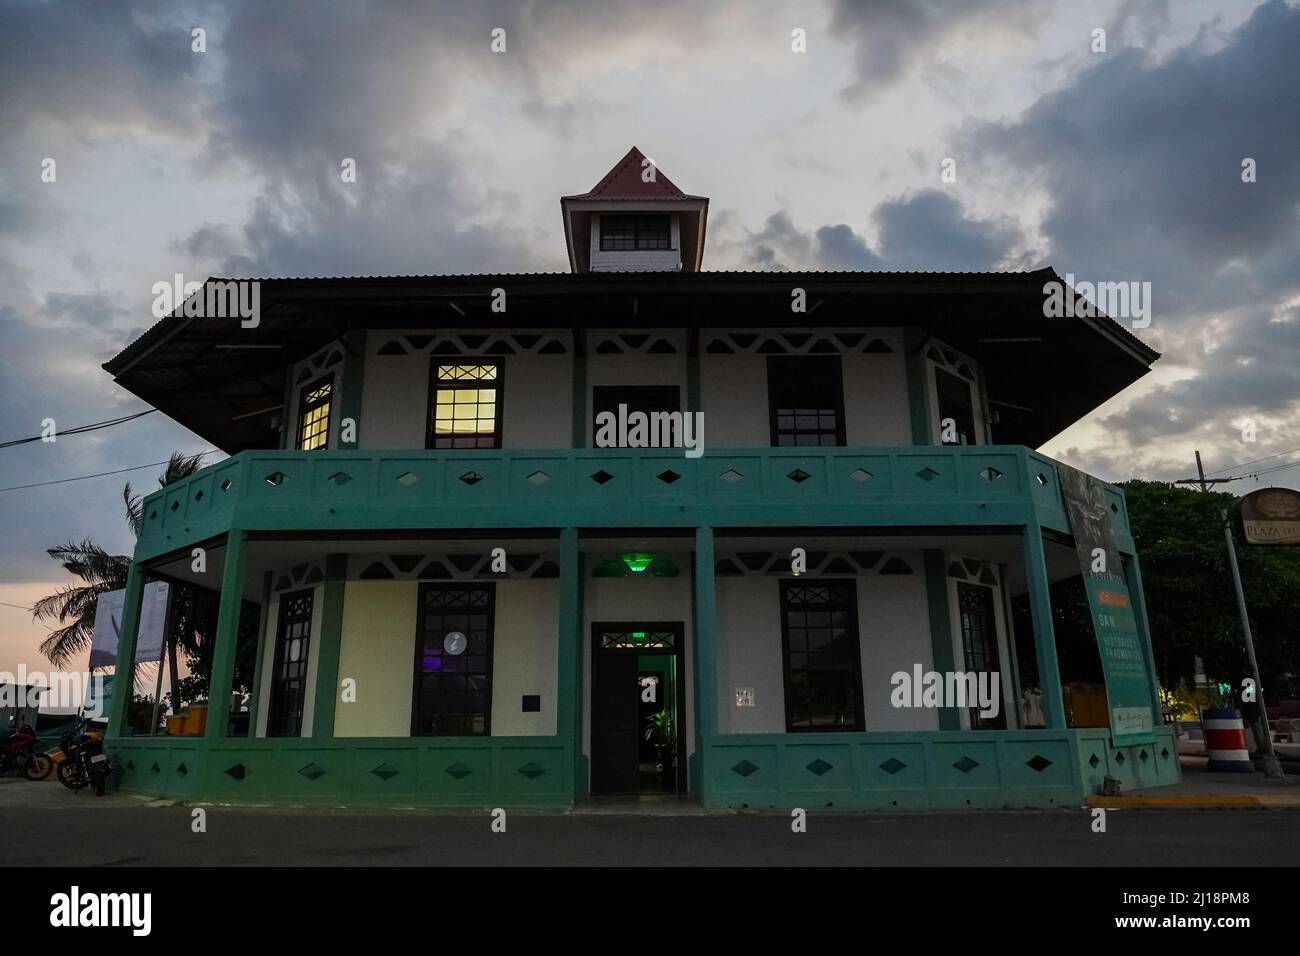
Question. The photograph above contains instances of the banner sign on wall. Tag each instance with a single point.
(108, 624)
(1270, 516)
(1123, 663)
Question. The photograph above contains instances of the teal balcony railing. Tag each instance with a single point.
(769, 487)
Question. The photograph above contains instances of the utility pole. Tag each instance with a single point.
(1272, 769)
(1200, 478)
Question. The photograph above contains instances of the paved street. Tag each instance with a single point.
(60, 827)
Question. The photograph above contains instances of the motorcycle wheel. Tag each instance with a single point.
(39, 766)
(68, 775)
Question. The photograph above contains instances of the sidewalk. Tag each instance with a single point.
(1200, 788)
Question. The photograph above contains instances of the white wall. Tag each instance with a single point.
(649, 600)
(894, 634)
(536, 411)
(525, 655)
(733, 393)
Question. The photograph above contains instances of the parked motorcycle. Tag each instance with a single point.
(19, 753)
(83, 760)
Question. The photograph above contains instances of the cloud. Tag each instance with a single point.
(926, 230)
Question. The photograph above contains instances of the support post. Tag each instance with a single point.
(223, 653)
(568, 680)
(331, 641)
(1040, 607)
(936, 592)
(124, 671)
(704, 650)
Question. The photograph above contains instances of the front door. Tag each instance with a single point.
(636, 708)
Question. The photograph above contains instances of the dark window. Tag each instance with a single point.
(465, 403)
(806, 400)
(955, 403)
(637, 398)
(823, 673)
(314, 414)
(453, 661)
(624, 233)
(289, 673)
(979, 640)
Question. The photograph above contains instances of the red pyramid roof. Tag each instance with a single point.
(624, 182)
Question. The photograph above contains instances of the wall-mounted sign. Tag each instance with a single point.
(744, 697)
(1270, 516)
(1123, 663)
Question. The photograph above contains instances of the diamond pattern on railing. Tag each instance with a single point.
(458, 770)
(155, 769)
(745, 768)
(276, 478)
(990, 473)
(225, 485)
(407, 478)
(893, 765)
(965, 764)
(1143, 755)
(1119, 757)
(313, 771)
(385, 771)
(861, 475)
(1038, 762)
(1114, 508)
(798, 476)
(668, 476)
(471, 478)
(339, 478)
(153, 514)
(198, 495)
(1040, 478)
(238, 771)
(531, 770)
(1164, 753)
(602, 476)
(1093, 761)
(820, 767)
(182, 769)
(731, 476)
(176, 506)
(538, 478)
(927, 474)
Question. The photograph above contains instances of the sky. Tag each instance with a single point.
(1115, 164)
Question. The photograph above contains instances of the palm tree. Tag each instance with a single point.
(73, 606)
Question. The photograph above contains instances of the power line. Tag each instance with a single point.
(79, 430)
(1253, 461)
(102, 474)
(19, 606)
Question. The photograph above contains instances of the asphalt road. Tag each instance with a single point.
(59, 827)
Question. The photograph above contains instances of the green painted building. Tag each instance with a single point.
(526, 540)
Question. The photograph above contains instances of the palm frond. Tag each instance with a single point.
(64, 644)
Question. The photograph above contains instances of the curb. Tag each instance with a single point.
(1205, 801)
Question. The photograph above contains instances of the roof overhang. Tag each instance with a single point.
(225, 382)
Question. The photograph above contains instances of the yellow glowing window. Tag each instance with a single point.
(314, 415)
(465, 407)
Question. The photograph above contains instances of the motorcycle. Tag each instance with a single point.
(84, 762)
(19, 753)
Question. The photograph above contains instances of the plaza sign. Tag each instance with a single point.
(1270, 516)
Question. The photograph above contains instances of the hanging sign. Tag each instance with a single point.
(1270, 516)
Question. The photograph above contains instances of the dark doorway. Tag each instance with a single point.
(637, 707)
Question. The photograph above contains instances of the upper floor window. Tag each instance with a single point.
(647, 399)
(314, 414)
(465, 404)
(805, 400)
(622, 233)
(956, 409)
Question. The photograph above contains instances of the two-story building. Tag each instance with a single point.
(488, 573)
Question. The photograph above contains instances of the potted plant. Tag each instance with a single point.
(660, 733)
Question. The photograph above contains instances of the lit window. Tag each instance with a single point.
(314, 415)
(466, 409)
